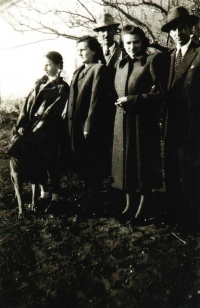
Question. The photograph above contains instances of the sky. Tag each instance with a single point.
(21, 66)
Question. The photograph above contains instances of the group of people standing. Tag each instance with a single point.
(111, 115)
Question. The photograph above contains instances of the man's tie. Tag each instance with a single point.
(107, 52)
(177, 61)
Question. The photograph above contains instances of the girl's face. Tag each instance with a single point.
(86, 55)
(133, 45)
(50, 67)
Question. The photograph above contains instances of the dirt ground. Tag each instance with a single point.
(79, 262)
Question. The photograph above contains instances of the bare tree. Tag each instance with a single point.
(72, 18)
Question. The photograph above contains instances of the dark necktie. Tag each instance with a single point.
(177, 61)
(107, 52)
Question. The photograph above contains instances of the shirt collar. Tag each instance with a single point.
(126, 59)
(111, 48)
(183, 48)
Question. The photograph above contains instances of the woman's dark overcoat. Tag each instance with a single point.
(88, 111)
(136, 160)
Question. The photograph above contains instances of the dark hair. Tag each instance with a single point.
(129, 29)
(55, 57)
(93, 45)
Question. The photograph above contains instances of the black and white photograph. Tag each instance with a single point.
(100, 154)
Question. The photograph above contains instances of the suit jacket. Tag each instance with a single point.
(88, 110)
(114, 57)
(183, 106)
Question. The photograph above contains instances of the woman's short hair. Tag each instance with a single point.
(93, 45)
(55, 57)
(130, 29)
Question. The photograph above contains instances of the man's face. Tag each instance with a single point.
(106, 36)
(181, 34)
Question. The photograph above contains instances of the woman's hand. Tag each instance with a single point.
(86, 134)
(21, 131)
(121, 101)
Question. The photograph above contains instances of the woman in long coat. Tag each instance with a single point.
(88, 116)
(136, 163)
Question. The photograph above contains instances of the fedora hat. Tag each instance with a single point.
(105, 20)
(178, 14)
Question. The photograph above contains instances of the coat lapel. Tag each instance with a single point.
(185, 64)
(84, 71)
(114, 57)
(171, 70)
(73, 83)
(76, 74)
(74, 93)
(120, 82)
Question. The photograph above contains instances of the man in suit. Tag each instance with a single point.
(182, 134)
(106, 30)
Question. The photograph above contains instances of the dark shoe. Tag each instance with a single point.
(125, 217)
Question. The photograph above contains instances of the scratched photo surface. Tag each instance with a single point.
(109, 257)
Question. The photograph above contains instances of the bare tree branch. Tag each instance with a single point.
(86, 10)
(70, 19)
(130, 17)
(150, 4)
(132, 4)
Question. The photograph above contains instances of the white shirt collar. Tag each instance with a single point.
(183, 48)
(112, 48)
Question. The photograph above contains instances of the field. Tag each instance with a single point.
(93, 262)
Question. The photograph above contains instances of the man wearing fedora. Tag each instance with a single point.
(182, 134)
(106, 30)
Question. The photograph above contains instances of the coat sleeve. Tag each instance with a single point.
(23, 119)
(157, 96)
(99, 98)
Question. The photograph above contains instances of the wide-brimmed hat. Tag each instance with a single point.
(178, 14)
(105, 20)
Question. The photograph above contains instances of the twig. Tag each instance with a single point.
(179, 238)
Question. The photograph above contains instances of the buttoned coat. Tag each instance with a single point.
(88, 112)
(136, 145)
(182, 130)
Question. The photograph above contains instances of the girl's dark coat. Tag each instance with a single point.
(45, 129)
